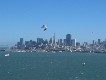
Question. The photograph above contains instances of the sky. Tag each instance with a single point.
(85, 20)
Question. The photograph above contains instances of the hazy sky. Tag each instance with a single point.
(24, 18)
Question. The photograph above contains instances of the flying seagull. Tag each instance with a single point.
(44, 27)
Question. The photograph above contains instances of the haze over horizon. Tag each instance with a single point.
(85, 20)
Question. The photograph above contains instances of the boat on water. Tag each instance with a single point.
(7, 54)
(83, 64)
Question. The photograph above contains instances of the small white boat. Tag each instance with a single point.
(7, 54)
(83, 64)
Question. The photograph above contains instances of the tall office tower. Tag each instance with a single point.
(54, 42)
(64, 42)
(99, 41)
(27, 44)
(93, 42)
(68, 40)
(20, 45)
(60, 42)
(21, 41)
(50, 41)
(73, 42)
(40, 40)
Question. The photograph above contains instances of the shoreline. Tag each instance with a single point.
(53, 51)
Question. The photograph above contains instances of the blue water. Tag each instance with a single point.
(52, 66)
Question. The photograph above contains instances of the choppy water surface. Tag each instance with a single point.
(52, 66)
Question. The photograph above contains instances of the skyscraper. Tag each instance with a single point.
(93, 42)
(73, 42)
(99, 41)
(40, 40)
(20, 45)
(64, 42)
(68, 40)
(60, 42)
(54, 42)
(21, 41)
(50, 41)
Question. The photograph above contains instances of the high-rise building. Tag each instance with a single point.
(21, 41)
(27, 44)
(60, 42)
(54, 41)
(64, 42)
(99, 41)
(20, 45)
(50, 41)
(32, 43)
(68, 40)
(93, 42)
(40, 40)
(73, 42)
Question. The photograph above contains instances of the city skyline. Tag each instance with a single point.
(67, 44)
(50, 45)
(67, 41)
(84, 20)
(55, 40)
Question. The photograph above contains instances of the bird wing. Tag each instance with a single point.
(43, 26)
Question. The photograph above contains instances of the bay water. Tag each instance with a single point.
(52, 66)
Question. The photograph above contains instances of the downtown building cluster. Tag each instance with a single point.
(53, 44)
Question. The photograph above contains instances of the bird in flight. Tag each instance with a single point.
(44, 27)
